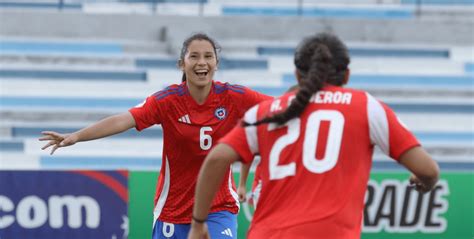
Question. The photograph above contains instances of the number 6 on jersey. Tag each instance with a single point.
(310, 142)
(205, 140)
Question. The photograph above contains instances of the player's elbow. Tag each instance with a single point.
(420, 163)
(431, 173)
(429, 170)
(222, 153)
(219, 157)
(212, 159)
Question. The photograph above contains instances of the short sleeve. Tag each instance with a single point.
(387, 131)
(242, 139)
(251, 98)
(146, 114)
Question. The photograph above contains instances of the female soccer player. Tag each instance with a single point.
(316, 150)
(193, 115)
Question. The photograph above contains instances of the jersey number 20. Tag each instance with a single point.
(310, 142)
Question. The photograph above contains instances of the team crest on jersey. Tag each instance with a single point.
(220, 113)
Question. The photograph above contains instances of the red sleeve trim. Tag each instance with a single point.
(403, 148)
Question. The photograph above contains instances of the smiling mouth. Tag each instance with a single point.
(202, 73)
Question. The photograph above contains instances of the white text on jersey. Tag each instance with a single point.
(328, 97)
(322, 97)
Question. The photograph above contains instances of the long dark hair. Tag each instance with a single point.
(319, 59)
(197, 36)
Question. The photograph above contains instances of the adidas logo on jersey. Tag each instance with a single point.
(185, 119)
(227, 232)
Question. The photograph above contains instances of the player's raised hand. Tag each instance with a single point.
(57, 140)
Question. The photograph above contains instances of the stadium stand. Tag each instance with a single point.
(62, 79)
(66, 64)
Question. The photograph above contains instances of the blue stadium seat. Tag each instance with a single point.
(366, 52)
(34, 132)
(224, 63)
(402, 80)
(165, 1)
(69, 103)
(73, 74)
(44, 47)
(469, 67)
(11, 146)
(439, 2)
(367, 13)
(99, 162)
(32, 4)
(124, 104)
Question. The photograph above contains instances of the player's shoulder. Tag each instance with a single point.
(170, 92)
(274, 104)
(363, 99)
(227, 88)
(362, 96)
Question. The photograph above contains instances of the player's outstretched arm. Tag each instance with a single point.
(109, 126)
(425, 171)
(210, 178)
(242, 188)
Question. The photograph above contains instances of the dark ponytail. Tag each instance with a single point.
(313, 62)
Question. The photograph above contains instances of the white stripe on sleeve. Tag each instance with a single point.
(378, 124)
(251, 131)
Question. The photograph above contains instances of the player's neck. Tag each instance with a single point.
(199, 94)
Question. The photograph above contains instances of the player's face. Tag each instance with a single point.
(199, 63)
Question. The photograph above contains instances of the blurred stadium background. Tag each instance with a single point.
(66, 64)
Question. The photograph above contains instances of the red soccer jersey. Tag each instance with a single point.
(190, 130)
(315, 168)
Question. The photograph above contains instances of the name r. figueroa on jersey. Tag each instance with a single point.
(322, 97)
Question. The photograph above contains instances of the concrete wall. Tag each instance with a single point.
(78, 25)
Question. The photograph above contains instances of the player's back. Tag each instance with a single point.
(315, 167)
